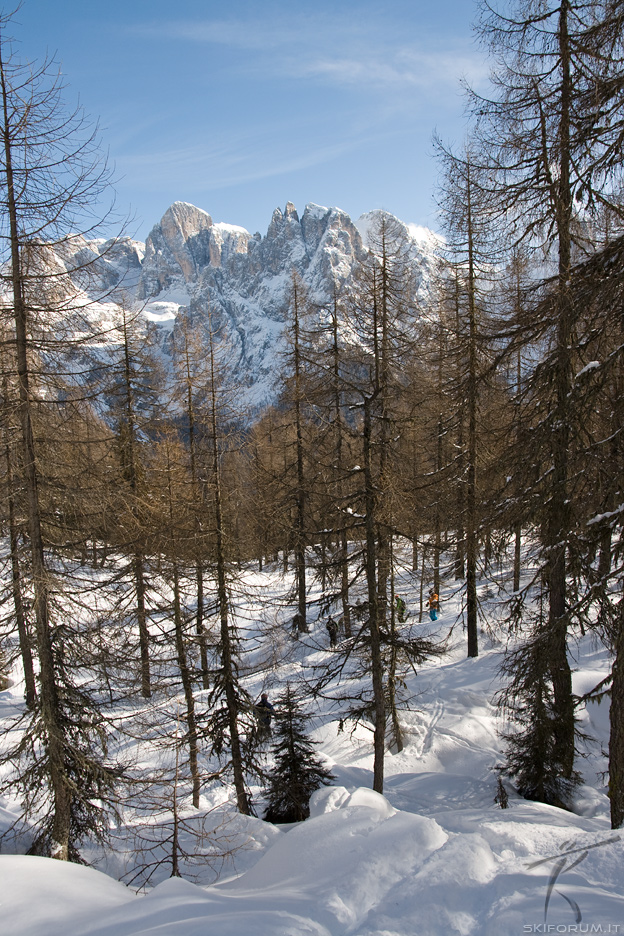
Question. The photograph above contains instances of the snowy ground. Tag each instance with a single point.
(434, 856)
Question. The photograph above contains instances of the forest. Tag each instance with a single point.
(480, 427)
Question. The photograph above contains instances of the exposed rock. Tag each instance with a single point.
(195, 267)
(180, 243)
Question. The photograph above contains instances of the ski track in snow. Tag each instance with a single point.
(434, 856)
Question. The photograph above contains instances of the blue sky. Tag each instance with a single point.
(240, 106)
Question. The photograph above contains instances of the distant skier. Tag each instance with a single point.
(332, 630)
(264, 714)
(434, 605)
(401, 609)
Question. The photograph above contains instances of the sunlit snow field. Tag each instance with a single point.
(435, 855)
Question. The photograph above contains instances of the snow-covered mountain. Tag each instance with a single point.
(192, 266)
(242, 281)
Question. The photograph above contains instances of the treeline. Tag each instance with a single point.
(533, 210)
(478, 417)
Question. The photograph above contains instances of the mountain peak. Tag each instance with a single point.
(192, 263)
(185, 220)
(290, 212)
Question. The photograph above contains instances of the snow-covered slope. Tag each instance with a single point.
(434, 855)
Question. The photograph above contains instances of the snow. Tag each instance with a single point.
(592, 365)
(364, 224)
(162, 313)
(39, 895)
(317, 211)
(231, 228)
(424, 237)
(434, 855)
(164, 310)
(360, 866)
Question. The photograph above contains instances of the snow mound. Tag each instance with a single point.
(41, 895)
(328, 799)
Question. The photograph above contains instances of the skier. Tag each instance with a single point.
(401, 609)
(264, 713)
(332, 630)
(434, 605)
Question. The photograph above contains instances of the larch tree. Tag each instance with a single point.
(294, 396)
(468, 226)
(327, 452)
(229, 722)
(595, 548)
(130, 382)
(381, 317)
(51, 176)
(169, 464)
(16, 600)
(191, 377)
(549, 136)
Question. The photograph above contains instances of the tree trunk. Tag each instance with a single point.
(227, 650)
(48, 697)
(471, 478)
(199, 623)
(616, 736)
(344, 583)
(559, 511)
(373, 609)
(392, 672)
(139, 585)
(517, 556)
(16, 579)
(187, 685)
(300, 497)
(130, 469)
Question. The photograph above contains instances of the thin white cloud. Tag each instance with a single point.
(422, 70)
(210, 168)
(391, 84)
(331, 49)
(232, 33)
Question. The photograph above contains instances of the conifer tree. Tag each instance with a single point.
(548, 141)
(18, 597)
(382, 303)
(295, 396)
(130, 383)
(470, 233)
(531, 751)
(228, 723)
(297, 772)
(169, 463)
(329, 451)
(191, 376)
(595, 543)
(374, 377)
(51, 175)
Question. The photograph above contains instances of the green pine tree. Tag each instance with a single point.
(533, 755)
(298, 772)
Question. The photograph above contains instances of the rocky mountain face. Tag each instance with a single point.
(241, 283)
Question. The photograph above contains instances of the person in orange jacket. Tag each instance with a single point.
(434, 605)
